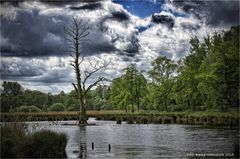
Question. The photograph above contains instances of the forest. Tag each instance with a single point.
(206, 79)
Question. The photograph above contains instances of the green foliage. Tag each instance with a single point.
(129, 89)
(46, 144)
(11, 88)
(219, 74)
(57, 107)
(13, 96)
(163, 69)
(176, 108)
(162, 75)
(12, 141)
(43, 144)
(71, 101)
(25, 108)
(99, 98)
(10, 95)
(209, 77)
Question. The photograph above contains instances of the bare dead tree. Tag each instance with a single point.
(75, 34)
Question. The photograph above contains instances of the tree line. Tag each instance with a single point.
(207, 78)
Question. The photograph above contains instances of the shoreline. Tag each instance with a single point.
(230, 119)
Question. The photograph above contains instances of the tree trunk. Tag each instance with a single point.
(132, 97)
(138, 103)
(189, 105)
(165, 103)
(74, 35)
(82, 115)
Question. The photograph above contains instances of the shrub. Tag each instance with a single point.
(25, 108)
(43, 144)
(57, 107)
(176, 108)
(12, 138)
(46, 144)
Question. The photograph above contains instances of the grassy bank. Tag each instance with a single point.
(201, 118)
(15, 143)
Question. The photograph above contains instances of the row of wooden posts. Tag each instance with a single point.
(109, 147)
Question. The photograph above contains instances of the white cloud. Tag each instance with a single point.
(53, 74)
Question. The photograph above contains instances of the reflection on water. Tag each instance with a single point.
(141, 141)
(83, 146)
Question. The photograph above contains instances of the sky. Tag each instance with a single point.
(122, 32)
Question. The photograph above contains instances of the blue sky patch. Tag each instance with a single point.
(143, 8)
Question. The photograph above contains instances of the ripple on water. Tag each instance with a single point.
(140, 141)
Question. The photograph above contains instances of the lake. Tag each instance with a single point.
(135, 141)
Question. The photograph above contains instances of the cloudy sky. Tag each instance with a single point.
(123, 32)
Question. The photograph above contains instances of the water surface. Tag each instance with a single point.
(141, 141)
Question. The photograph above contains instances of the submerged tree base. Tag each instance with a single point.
(82, 122)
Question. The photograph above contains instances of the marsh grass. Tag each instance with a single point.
(230, 118)
(16, 143)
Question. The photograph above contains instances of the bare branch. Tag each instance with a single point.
(72, 56)
(75, 87)
(73, 65)
(96, 69)
(94, 84)
(83, 57)
(71, 41)
(69, 32)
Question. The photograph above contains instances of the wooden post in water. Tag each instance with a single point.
(92, 146)
(236, 150)
(109, 148)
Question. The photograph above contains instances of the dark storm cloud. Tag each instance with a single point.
(34, 70)
(56, 76)
(224, 12)
(48, 78)
(120, 16)
(10, 69)
(89, 6)
(98, 47)
(190, 26)
(33, 34)
(126, 58)
(133, 47)
(214, 12)
(163, 19)
(49, 2)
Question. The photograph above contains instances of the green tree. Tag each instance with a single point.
(59, 98)
(187, 92)
(11, 94)
(25, 108)
(71, 101)
(219, 72)
(128, 89)
(99, 98)
(163, 78)
(57, 107)
(120, 97)
(11, 88)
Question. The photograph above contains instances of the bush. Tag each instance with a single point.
(46, 144)
(57, 107)
(43, 144)
(25, 108)
(12, 139)
(176, 108)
